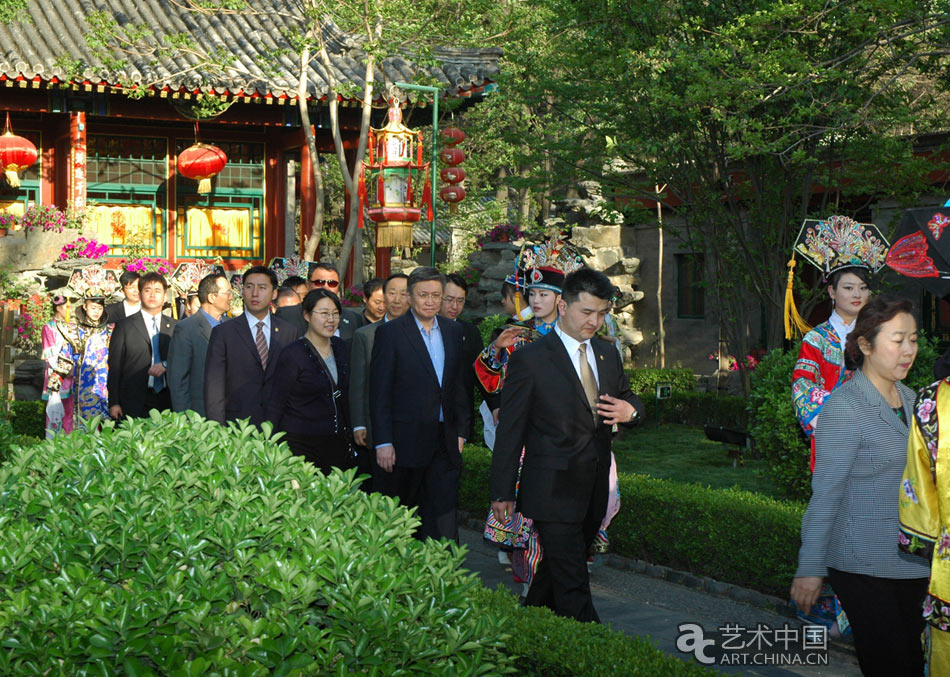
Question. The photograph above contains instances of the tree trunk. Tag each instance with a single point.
(312, 241)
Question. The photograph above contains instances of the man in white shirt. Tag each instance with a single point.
(130, 304)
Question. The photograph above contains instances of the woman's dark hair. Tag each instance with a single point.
(312, 297)
(860, 271)
(878, 310)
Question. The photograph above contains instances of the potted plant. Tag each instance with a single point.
(8, 221)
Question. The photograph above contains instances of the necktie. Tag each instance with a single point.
(261, 344)
(587, 379)
(158, 382)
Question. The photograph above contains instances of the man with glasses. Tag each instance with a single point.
(324, 276)
(189, 344)
(453, 303)
(419, 415)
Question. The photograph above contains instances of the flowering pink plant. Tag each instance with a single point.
(9, 221)
(48, 217)
(145, 265)
(353, 296)
(83, 248)
(751, 360)
(504, 232)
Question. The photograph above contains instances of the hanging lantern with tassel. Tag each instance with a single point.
(395, 170)
(16, 154)
(453, 174)
(201, 162)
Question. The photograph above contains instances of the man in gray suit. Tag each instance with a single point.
(189, 345)
(397, 303)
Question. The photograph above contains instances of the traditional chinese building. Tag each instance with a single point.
(116, 156)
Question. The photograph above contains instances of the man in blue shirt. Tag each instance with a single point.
(189, 344)
(418, 409)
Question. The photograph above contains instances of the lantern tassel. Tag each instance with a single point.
(12, 177)
(361, 195)
(793, 320)
(380, 189)
(204, 186)
(67, 311)
(409, 191)
(427, 195)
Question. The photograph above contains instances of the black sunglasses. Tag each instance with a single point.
(329, 283)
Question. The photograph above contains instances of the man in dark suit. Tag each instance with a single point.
(243, 352)
(324, 276)
(189, 345)
(397, 303)
(419, 414)
(453, 303)
(129, 305)
(562, 394)
(138, 352)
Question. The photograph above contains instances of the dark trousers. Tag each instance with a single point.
(161, 400)
(561, 582)
(433, 490)
(886, 619)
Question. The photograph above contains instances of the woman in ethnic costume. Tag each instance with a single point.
(53, 341)
(541, 271)
(85, 355)
(846, 252)
(925, 513)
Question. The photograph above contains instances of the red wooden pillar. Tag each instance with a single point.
(77, 160)
(171, 201)
(273, 216)
(308, 197)
(383, 256)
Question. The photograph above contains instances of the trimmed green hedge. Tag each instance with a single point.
(643, 381)
(731, 535)
(174, 545)
(548, 645)
(698, 409)
(28, 417)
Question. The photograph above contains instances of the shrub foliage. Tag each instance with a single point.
(643, 381)
(698, 409)
(173, 545)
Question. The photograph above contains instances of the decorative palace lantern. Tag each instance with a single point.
(201, 162)
(453, 195)
(395, 170)
(453, 175)
(16, 154)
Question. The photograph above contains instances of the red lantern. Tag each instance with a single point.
(451, 136)
(453, 174)
(453, 195)
(452, 156)
(201, 162)
(16, 154)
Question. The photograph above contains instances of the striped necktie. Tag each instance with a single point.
(261, 344)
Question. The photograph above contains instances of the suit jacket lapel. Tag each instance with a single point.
(244, 331)
(563, 362)
(415, 340)
(141, 328)
(604, 365)
(885, 411)
(277, 340)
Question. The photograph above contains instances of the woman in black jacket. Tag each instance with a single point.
(309, 398)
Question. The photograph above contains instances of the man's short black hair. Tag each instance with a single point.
(285, 291)
(425, 274)
(587, 280)
(294, 281)
(371, 285)
(394, 276)
(208, 286)
(508, 290)
(262, 270)
(322, 265)
(128, 277)
(152, 277)
(458, 281)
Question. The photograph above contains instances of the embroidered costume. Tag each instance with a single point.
(924, 499)
(53, 341)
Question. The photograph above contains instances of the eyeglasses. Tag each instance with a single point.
(425, 295)
(327, 316)
(332, 284)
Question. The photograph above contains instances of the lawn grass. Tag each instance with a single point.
(683, 454)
